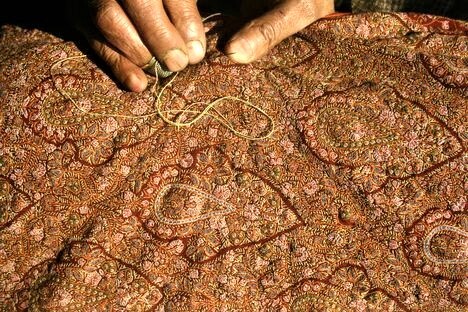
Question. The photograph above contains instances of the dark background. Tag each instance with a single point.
(50, 14)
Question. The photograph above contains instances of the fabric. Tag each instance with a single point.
(357, 202)
(439, 6)
(452, 8)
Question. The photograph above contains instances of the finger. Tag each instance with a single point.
(126, 72)
(187, 20)
(157, 32)
(119, 31)
(262, 34)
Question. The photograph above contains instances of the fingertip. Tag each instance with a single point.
(176, 60)
(196, 51)
(240, 50)
(135, 82)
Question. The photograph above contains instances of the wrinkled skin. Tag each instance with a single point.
(127, 33)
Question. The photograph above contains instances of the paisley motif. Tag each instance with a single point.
(373, 126)
(461, 258)
(436, 245)
(201, 213)
(208, 199)
(68, 109)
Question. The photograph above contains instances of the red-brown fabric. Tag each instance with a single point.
(356, 203)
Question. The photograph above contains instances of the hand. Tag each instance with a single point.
(284, 19)
(127, 33)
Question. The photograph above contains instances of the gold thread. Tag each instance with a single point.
(163, 113)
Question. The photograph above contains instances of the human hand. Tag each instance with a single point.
(285, 18)
(127, 33)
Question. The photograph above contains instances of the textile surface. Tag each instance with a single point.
(357, 202)
(438, 7)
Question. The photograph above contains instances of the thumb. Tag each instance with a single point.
(260, 35)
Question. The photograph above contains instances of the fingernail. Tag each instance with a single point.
(195, 51)
(176, 60)
(240, 50)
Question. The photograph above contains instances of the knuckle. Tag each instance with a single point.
(106, 16)
(268, 32)
(186, 18)
(112, 59)
(163, 34)
(187, 13)
(192, 29)
(142, 4)
(181, 9)
(102, 51)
